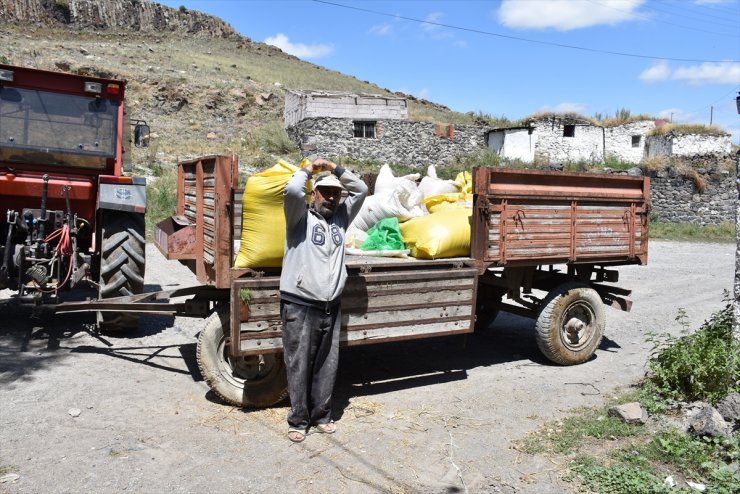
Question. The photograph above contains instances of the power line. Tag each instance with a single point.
(715, 101)
(662, 21)
(517, 38)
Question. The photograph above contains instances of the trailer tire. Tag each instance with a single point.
(257, 381)
(122, 265)
(571, 324)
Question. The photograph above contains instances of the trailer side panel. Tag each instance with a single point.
(377, 306)
(527, 217)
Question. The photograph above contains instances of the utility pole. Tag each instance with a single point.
(736, 302)
(711, 114)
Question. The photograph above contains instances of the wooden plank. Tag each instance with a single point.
(377, 335)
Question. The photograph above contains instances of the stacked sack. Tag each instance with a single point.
(394, 197)
(428, 221)
(432, 219)
(263, 217)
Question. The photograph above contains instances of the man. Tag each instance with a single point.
(311, 285)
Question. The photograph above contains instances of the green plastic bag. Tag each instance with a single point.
(385, 235)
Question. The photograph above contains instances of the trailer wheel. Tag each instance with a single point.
(257, 381)
(571, 324)
(122, 265)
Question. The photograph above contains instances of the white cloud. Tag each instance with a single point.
(381, 29)
(564, 15)
(709, 73)
(565, 108)
(300, 50)
(434, 18)
(695, 75)
(660, 71)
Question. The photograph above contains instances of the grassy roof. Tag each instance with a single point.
(684, 129)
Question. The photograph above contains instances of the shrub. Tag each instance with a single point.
(704, 365)
(161, 197)
(484, 157)
(272, 138)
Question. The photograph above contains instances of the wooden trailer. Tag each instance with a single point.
(543, 245)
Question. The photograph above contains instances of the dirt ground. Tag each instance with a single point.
(82, 412)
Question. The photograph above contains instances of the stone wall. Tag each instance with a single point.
(677, 199)
(413, 144)
(300, 105)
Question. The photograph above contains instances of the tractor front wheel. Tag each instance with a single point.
(122, 265)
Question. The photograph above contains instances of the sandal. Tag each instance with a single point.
(328, 428)
(296, 435)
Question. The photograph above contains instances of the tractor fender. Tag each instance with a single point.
(126, 196)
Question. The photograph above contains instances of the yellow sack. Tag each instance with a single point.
(263, 218)
(445, 201)
(445, 233)
(465, 181)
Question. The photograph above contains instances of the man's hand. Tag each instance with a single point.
(321, 165)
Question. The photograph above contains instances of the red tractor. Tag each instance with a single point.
(69, 216)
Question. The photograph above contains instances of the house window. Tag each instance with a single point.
(364, 129)
(569, 130)
(636, 141)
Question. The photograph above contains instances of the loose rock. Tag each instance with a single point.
(631, 413)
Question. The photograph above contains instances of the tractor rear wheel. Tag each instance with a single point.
(122, 265)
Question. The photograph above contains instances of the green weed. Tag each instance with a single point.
(569, 434)
(722, 232)
(615, 479)
(161, 198)
(704, 365)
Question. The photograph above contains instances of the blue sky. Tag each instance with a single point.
(675, 59)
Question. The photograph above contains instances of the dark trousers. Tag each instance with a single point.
(311, 346)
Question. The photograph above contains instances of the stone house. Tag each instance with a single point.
(513, 142)
(678, 144)
(374, 127)
(560, 138)
(363, 107)
(628, 142)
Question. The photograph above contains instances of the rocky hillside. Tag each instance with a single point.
(133, 15)
(202, 87)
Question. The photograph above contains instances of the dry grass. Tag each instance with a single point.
(625, 119)
(656, 164)
(682, 129)
(564, 116)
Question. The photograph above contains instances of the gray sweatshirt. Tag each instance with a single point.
(313, 266)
